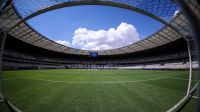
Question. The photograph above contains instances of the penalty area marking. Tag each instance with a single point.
(53, 81)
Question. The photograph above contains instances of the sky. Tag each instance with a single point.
(92, 27)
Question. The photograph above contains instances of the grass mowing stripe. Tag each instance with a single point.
(54, 81)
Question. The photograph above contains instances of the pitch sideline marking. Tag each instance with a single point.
(177, 78)
(94, 82)
(13, 78)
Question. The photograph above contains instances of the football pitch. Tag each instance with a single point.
(76, 90)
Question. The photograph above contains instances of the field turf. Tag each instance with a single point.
(78, 90)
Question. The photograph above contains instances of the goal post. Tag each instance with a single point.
(193, 43)
(193, 72)
(3, 36)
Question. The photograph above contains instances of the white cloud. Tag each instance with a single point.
(123, 35)
(175, 13)
(66, 43)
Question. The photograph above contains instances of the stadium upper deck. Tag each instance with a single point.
(14, 17)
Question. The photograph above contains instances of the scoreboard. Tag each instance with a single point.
(93, 54)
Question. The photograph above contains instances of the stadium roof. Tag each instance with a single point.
(13, 20)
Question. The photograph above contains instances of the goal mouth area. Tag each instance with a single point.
(176, 108)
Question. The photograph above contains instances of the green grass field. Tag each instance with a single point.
(95, 90)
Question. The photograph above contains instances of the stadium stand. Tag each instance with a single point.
(20, 55)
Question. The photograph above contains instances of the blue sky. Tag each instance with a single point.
(61, 24)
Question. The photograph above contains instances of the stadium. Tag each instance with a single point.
(155, 74)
